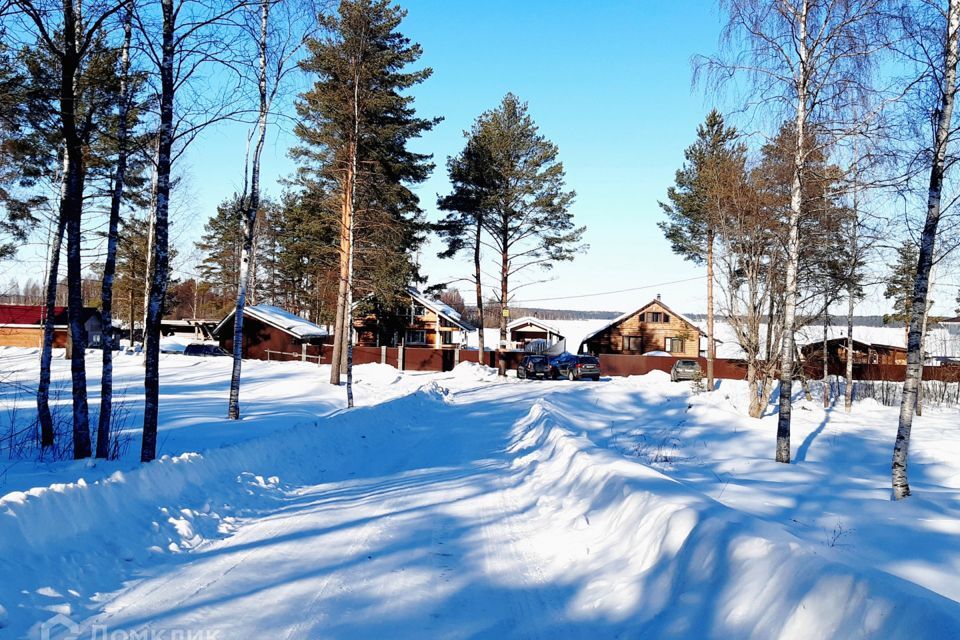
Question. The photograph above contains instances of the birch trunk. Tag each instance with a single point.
(249, 220)
(110, 264)
(826, 358)
(711, 348)
(354, 151)
(158, 283)
(71, 210)
(476, 279)
(943, 118)
(793, 250)
(848, 390)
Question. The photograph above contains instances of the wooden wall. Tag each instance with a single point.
(652, 335)
(30, 337)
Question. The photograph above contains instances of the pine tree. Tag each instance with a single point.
(355, 124)
(527, 210)
(900, 283)
(475, 185)
(700, 196)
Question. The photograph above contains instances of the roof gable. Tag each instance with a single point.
(534, 321)
(442, 310)
(621, 318)
(278, 318)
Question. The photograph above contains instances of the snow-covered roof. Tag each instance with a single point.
(534, 321)
(279, 318)
(624, 316)
(441, 309)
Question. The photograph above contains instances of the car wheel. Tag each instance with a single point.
(571, 376)
(596, 378)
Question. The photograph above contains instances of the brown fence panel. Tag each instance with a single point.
(474, 355)
(423, 359)
(393, 357)
(366, 355)
(626, 365)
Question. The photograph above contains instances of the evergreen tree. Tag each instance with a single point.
(700, 196)
(475, 185)
(221, 244)
(900, 281)
(355, 124)
(526, 207)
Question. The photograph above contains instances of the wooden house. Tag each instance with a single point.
(652, 327)
(22, 326)
(272, 333)
(525, 330)
(419, 321)
(862, 353)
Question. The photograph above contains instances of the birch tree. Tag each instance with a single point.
(808, 59)
(113, 230)
(180, 38)
(278, 34)
(933, 26)
(72, 35)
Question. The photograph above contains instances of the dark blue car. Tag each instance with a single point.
(574, 367)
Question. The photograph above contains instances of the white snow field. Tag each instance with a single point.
(459, 506)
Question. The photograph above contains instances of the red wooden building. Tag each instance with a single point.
(272, 333)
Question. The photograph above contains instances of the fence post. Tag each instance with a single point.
(456, 357)
(400, 357)
(303, 352)
(383, 354)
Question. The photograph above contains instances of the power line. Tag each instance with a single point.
(608, 293)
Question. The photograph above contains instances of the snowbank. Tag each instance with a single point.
(679, 564)
(75, 540)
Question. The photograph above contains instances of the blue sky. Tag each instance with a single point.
(609, 82)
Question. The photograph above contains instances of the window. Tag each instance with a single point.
(632, 343)
(447, 337)
(419, 310)
(416, 337)
(673, 345)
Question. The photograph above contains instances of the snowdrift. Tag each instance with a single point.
(76, 540)
(650, 552)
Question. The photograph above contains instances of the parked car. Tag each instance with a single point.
(204, 350)
(685, 370)
(574, 367)
(533, 367)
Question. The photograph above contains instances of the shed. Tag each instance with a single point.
(524, 330)
(267, 328)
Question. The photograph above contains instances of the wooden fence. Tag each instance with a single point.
(423, 359)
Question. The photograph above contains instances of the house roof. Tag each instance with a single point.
(624, 316)
(534, 321)
(441, 309)
(34, 314)
(278, 318)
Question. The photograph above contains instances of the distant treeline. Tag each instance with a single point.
(835, 321)
(491, 319)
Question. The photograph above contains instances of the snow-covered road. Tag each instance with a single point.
(459, 506)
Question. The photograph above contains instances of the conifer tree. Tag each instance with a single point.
(899, 289)
(527, 210)
(475, 187)
(700, 196)
(355, 124)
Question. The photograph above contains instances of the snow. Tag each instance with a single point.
(281, 318)
(463, 505)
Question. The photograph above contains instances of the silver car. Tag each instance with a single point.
(685, 370)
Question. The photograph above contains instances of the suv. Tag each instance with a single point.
(533, 367)
(685, 370)
(204, 350)
(574, 367)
